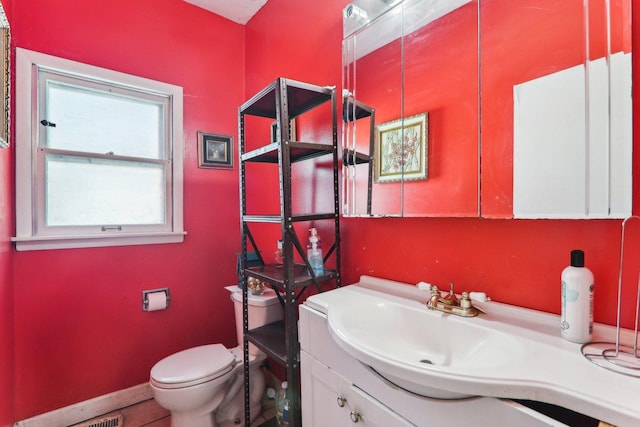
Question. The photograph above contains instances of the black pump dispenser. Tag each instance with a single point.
(577, 258)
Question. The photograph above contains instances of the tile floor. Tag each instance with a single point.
(150, 414)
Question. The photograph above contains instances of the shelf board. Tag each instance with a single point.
(277, 219)
(272, 219)
(298, 151)
(301, 97)
(352, 157)
(302, 217)
(270, 338)
(355, 110)
(262, 154)
(274, 274)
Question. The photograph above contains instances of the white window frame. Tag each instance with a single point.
(31, 236)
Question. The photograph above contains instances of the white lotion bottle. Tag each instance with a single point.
(577, 300)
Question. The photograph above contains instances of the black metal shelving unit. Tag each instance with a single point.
(285, 100)
(352, 111)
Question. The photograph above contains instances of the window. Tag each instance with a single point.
(98, 156)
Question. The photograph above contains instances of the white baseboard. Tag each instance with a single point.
(91, 408)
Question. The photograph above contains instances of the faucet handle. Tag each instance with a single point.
(465, 302)
(424, 286)
(479, 296)
(434, 298)
(450, 298)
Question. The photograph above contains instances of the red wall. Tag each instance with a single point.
(79, 328)
(6, 280)
(514, 261)
(301, 41)
(6, 292)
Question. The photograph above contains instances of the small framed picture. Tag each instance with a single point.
(401, 149)
(215, 151)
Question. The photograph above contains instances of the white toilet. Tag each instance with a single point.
(203, 386)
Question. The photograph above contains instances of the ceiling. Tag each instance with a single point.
(239, 11)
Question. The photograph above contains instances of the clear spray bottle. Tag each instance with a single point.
(314, 253)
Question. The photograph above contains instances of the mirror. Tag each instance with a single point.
(373, 36)
(5, 54)
(410, 131)
(556, 108)
(554, 135)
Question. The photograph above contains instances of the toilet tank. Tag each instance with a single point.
(263, 309)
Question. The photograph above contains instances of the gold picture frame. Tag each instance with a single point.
(400, 151)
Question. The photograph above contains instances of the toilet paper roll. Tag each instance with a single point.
(156, 301)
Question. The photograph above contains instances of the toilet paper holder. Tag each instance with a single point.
(145, 297)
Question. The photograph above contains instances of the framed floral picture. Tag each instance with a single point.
(215, 151)
(401, 149)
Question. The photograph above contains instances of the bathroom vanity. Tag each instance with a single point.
(428, 368)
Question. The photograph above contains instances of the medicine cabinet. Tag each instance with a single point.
(525, 108)
(410, 110)
(556, 108)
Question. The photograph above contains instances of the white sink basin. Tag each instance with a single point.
(408, 344)
(508, 352)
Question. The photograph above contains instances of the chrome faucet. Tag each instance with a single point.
(450, 302)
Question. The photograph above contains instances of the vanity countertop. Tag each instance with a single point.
(547, 368)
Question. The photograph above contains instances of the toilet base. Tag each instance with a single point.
(231, 412)
(224, 408)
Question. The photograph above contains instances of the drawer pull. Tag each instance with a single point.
(341, 401)
(355, 416)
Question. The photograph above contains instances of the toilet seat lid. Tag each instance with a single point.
(193, 366)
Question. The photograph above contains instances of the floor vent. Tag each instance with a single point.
(108, 421)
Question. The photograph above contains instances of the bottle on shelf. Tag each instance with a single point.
(282, 406)
(279, 255)
(314, 253)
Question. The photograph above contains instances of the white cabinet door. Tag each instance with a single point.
(330, 400)
(320, 388)
(366, 411)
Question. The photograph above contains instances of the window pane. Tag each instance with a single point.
(86, 191)
(102, 122)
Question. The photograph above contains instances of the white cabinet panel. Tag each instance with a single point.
(371, 413)
(320, 388)
(565, 166)
(330, 400)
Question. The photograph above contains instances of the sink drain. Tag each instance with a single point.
(426, 361)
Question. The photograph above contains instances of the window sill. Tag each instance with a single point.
(70, 242)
